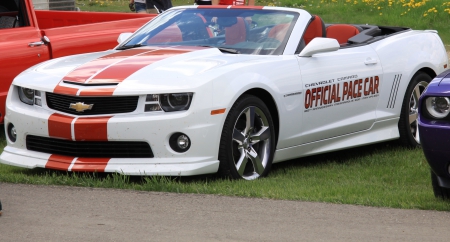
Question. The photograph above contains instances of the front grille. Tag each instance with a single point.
(101, 105)
(95, 149)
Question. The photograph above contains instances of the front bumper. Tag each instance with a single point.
(435, 140)
(200, 126)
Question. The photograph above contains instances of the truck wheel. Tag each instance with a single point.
(247, 144)
(408, 124)
(439, 192)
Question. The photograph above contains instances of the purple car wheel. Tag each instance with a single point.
(439, 192)
(408, 124)
(248, 140)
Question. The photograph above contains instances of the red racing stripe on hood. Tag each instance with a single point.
(90, 164)
(120, 71)
(89, 69)
(65, 90)
(116, 67)
(97, 92)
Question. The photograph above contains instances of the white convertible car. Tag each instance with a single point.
(206, 89)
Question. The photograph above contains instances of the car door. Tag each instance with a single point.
(340, 91)
(20, 48)
(21, 45)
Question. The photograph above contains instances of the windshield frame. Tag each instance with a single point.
(257, 41)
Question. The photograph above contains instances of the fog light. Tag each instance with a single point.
(12, 134)
(179, 142)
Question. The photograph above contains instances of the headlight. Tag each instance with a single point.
(26, 95)
(168, 102)
(438, 107)
(30, 96)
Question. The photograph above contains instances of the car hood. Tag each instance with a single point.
(133, 71)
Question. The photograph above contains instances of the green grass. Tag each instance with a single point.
(382, 175)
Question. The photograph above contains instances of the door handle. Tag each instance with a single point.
(37, 43)
(44, 41)
(370, 61)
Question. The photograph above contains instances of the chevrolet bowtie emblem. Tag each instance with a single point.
(80, 107)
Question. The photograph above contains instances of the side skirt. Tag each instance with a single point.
(380, 131)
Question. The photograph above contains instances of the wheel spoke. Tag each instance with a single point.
(262, 135)
(413, 117)
(238, 136)
(256, 161)
(417, 134)
(242, 162)
(416, 95)
(250, 123)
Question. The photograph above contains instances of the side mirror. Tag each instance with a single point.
(319, 45)
(123, 37)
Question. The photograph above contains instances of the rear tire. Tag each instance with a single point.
(408, 124)
(247, 144)
(439, 192)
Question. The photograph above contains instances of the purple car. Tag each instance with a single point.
(434, 129)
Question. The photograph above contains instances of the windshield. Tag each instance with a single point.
(244, 31)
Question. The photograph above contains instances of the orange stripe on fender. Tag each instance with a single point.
(92, 129)
(90, 164)
(218, 111)
(59, 162)
(59, 126)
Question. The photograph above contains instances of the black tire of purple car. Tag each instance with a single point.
(439, 192)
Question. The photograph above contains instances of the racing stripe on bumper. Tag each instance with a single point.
(68, 163)
(81, 129)
(90, 164)
(84, 129)
(91, 129)
(59, 162)
(60, 126)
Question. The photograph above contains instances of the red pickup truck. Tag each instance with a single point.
(29, 36)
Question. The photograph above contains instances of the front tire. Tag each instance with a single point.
(247, 144)
(408, 124)
(439, 192)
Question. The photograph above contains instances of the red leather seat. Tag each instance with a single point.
(278, 31)
(342, 32)
(315, 29)
(236, 33)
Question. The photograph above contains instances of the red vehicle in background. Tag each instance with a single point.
(29, 36)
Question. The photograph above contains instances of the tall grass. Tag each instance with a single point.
(382, 175)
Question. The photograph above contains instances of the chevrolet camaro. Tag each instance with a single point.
(221, 89)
